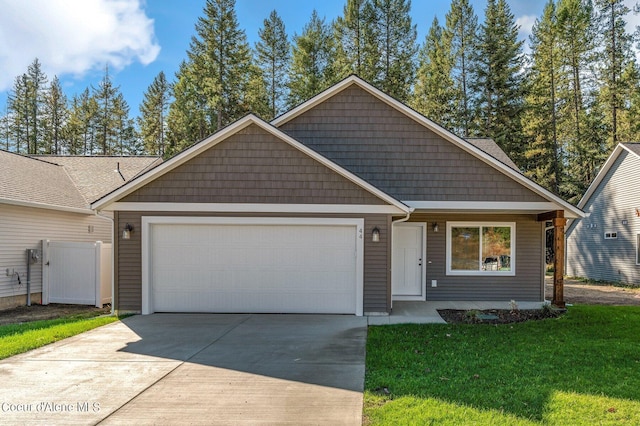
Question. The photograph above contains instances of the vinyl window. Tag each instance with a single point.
(485, 248)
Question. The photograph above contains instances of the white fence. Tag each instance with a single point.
(76, 273)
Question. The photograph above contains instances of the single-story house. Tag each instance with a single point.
(606, 244)
(47, 197)
(344, 204)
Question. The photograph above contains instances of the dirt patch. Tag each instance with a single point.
(496, 316)
(578, 293)
(44, 312)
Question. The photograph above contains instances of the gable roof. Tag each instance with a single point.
(31, 182)
(632, 148)
(95, 176)
(505, 167)
(221, 136)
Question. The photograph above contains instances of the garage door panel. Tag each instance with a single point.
(253, 268)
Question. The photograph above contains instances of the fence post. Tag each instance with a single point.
(98, 275)
(45, 272)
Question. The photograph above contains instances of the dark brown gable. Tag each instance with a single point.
(253, 166)
(398, 155)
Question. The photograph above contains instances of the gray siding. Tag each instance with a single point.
(128, 260)
(397, 154)
(526, 285)
(616, 199)
(253, 166)
(24, 228)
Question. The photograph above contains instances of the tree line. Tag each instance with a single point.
(557, 111)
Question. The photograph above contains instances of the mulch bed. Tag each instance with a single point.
(496, 316)
(37, 312)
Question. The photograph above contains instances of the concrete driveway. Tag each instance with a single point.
(194, 369)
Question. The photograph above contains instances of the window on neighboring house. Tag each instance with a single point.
(610, 235)
(481, 248)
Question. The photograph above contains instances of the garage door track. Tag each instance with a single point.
(194, 369)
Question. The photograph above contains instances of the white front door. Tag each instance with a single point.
(407, 261)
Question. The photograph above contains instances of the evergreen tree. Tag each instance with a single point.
(616, 55)
(544, 153)
(462, 31)
(434, 94)
(153, 112)
(18, 111)
(396, 46)
(55, 117)
(273, 56)
(105, 95)
(36, 88)
(125, 135)
(498, 79)
(312, 59)
(86, 112)
(356, 41)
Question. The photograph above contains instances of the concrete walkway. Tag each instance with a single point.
(427, 312)
(194, 369)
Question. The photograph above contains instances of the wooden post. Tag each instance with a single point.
(558, 261)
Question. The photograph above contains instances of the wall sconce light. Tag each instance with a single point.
(434, 226)
(375, 235)
(126, 233)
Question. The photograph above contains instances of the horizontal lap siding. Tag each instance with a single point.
(253, 166)
(589, 254)
(397, 154)
(128, 280)
(23, 228)
(526, 285)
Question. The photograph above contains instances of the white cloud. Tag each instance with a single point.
(525, 23)
(73, 36)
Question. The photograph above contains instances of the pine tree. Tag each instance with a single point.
(434, 94)
(543, 155)
(125, 135)
(153, 112)
(616, 56)
(498, 79)
(312, 59)
(55, 116)
(105, 95)
(86, 111)
(396, 45)
(462, 31)
(356, 41)
(36, 87)
(273, 57)
(18, 111)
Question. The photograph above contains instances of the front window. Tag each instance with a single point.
(480, 248)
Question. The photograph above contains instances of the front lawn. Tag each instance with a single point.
(580, 369)
(19, 338)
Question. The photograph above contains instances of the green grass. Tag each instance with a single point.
(580, 369)
(19, 338)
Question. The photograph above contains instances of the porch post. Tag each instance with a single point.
(558, 261)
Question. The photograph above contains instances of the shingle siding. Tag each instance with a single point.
(397, 154)
(526, 285)
(253, 166)
(616, 199)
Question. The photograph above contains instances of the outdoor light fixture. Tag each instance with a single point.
(126, 233)
(375, 235)
(434, 226)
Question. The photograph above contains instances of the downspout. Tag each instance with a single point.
(110, 219)
(393, 222)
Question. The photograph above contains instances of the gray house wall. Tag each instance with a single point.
(616, 199)
(526, 285)
(398, 155)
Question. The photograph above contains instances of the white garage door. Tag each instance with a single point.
(252, 266)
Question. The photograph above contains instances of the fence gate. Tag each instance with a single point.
(76, 273)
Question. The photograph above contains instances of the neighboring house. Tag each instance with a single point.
(48, 197)
(606, 244)
(342, 205)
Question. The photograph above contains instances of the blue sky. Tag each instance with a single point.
(74, 39)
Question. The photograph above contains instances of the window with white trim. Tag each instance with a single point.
(481, 248)
(610, 235)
